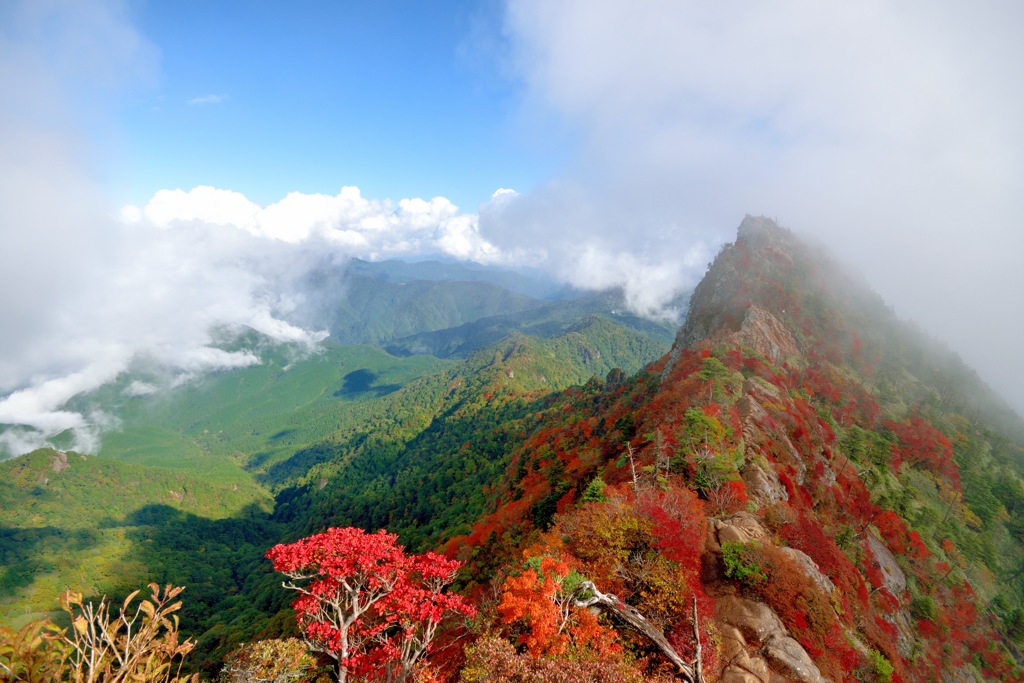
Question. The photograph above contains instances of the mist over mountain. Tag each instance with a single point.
(424, 307)
(467, 272)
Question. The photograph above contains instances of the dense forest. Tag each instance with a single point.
(804, 488)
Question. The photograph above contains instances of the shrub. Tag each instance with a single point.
(494, 660)
(101, 645)
(882, 667)
(269, 661)
(740, 563)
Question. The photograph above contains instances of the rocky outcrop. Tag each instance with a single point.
(894, 581)
(714, 302)
(893, 578)
(755, 644)
(766, 335)
(760, 434)
(763, 486)
(756, 647)
(810, 568)
(59, 462)
(741, 527)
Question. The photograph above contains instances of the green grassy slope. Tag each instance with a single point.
(250, 417)
(66, 520)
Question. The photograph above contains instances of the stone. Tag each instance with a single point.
(755, 620)
(763, 488)
(743, 527)
(734, 674)
(738, 664)
(763, 332)
(810, 568)
(788, 657)
(60, 462)
(893, 578)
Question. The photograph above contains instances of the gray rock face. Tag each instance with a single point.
(894, 581)
(893, 578)
(748, 623)
(763, 488)
(810, 568)
(763, 332)
(789, 658)
(755, 620)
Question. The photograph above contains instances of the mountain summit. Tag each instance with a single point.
(862, 512)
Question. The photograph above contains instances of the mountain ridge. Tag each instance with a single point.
(867, 489)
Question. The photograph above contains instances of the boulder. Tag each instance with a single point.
(746, 623)
(810, 568)
(788, 657)
(740, 527)
(754, 620)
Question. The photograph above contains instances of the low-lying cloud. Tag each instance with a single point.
(891, 131)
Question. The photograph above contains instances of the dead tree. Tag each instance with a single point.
(639, 623)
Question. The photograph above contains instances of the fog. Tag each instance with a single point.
(891, 132)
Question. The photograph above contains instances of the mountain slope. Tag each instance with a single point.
(352, 435)
(803, 486)
(71, 519)
(452, 318)
(863, 519)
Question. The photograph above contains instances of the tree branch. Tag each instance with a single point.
(638, 622)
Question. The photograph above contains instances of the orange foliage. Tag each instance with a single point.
(542, 603)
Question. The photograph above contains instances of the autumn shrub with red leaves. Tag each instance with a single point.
(365, 603)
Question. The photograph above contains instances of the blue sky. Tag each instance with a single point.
(170, 167)
(403, 99)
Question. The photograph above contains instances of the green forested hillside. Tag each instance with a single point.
(68, 519)
(179, 495)
(248, 418)
(454, 318)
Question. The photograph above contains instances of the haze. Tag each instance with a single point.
(167, 170)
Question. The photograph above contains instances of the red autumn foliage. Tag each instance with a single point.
(893, 530)
(366, 603)
(922, 445)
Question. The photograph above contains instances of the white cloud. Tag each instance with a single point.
(140, 388)
(367, 228)
(207, 99)
(889, 130)
(201, 204)
(159, 285)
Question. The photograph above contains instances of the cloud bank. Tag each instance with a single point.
(157, 286)
(82, 294)
(892, 132)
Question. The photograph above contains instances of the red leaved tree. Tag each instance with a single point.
(365, 603)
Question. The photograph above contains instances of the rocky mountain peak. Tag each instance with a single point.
(761, 231)
(722, 302)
